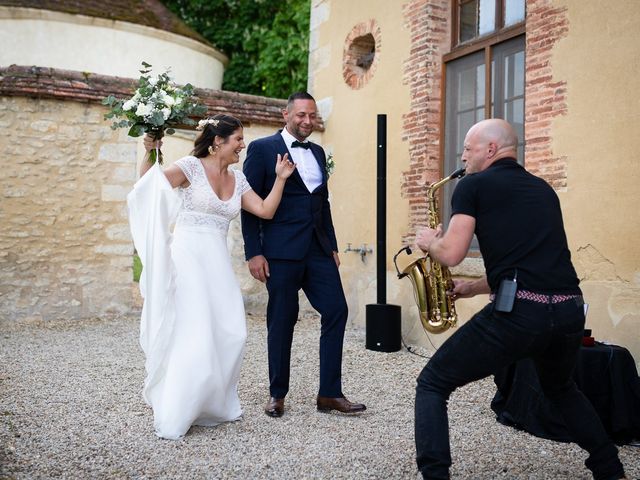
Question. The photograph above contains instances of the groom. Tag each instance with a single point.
(296, 250)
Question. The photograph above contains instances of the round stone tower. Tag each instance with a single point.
(108, 37)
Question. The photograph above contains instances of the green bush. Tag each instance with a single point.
(137, 267)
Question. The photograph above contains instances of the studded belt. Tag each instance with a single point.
(539, 297)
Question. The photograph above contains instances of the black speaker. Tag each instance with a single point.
(383, 327)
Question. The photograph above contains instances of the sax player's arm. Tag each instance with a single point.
(469, 288)
(448, 248)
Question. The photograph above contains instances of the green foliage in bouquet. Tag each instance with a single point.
(156, 108)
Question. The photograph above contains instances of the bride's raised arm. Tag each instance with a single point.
(266, 208)
(174, 174)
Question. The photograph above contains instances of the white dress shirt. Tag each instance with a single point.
(306, 163)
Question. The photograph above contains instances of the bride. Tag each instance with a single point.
(193, 329)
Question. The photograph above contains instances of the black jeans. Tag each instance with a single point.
(550, 334)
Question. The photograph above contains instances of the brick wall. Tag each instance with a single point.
(545, 96)
(428, 23)
(65, 244)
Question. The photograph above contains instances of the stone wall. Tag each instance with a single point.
(65, 247)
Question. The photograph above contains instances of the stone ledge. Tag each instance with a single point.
(67, 85)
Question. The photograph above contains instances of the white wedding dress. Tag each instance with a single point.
(193, 326)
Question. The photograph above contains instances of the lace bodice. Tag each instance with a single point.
(201, 206)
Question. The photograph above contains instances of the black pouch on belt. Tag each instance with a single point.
(506, 295)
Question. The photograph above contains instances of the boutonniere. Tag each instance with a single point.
(331, 165)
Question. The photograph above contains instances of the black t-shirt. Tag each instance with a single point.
(519, 226)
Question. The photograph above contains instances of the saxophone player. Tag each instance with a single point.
(536, 307)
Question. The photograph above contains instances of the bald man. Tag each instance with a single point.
(536, 308)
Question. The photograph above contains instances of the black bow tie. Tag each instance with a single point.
(305, 145)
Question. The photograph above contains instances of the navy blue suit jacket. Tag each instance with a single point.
(301, 213)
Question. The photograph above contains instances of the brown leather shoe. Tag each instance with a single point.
(341, 404)
(275, 407)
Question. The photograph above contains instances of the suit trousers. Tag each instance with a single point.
(551, 335)
(318, 277)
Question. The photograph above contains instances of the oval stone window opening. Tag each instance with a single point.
(361, 52)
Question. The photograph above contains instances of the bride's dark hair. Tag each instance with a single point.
(221, 125)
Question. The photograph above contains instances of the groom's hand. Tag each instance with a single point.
(259, 268)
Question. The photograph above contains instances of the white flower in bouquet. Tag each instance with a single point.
(129, 104)
(167, 99)
(156, 107)
(143, 110)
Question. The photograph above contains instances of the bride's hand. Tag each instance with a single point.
(284, 166)
(150, 143)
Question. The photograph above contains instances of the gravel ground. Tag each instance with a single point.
(70, 407)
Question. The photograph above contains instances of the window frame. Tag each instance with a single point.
(456, 44)
(484, 43)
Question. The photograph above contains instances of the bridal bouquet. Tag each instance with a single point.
(156, 107)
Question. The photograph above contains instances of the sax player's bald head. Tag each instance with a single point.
(499, 132)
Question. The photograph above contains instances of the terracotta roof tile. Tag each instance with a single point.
(65, 85)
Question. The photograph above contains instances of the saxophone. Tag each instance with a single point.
(430, 279)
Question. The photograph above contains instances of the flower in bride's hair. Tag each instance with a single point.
(207, 121)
